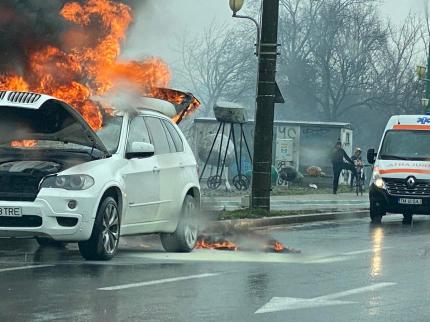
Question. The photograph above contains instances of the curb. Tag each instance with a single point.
(285, 220)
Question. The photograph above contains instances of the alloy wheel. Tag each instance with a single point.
(190, 229)
(110, 229)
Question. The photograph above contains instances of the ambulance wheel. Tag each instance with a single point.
(376, 213)
(407, 219)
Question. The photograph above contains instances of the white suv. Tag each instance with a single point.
(60, 181)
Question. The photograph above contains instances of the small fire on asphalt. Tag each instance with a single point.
(242, 240)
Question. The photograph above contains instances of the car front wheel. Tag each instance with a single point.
(104, 240)
(185, 237)
(376, 212)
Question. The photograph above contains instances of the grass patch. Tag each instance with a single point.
(293, 190)
(259, 213)
(303, 190)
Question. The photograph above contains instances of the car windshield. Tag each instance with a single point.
(110, 133)
(406, 145)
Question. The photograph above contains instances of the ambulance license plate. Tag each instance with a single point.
(408, 201)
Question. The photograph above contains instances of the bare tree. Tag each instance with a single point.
(296, 73)
(425, 32)
(345, 45)
(398, 87)
(219, 65)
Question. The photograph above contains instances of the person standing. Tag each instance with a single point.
(358, 163)
(338, 158)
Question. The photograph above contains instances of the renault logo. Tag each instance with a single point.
(410, 182)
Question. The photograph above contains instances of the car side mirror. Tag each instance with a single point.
(371, 156)
(140, 150)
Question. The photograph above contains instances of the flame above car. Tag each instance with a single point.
(88, 63)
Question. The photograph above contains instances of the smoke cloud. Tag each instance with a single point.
(26, 26)
(30, 25)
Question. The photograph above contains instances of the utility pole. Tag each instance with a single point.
(428, 81)
(265, 112)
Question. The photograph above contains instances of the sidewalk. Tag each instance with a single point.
(329, 202)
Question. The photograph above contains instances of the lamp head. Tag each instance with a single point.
(421, 71)
(236, 5)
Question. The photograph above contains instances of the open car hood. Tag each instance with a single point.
(30, 116)
(183, 103)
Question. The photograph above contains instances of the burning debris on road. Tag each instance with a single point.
(243, 240)
(71, 50)
(208, 242)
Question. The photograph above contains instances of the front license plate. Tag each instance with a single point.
(406, 201)
(10, 212)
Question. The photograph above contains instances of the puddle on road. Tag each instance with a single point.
(238, 257)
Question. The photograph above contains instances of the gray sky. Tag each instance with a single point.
(160, 23)
(399, 9)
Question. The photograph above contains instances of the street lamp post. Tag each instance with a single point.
(428, 80)
(424, 75)
(235, 6)
(267, 93)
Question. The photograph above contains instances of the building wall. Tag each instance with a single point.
(310, 144)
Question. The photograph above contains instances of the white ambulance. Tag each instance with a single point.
(401, 175)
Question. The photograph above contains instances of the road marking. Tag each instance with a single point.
(277, 304)
(364, 251)
(156, 282)
(10, 269)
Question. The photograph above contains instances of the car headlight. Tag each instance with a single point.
(72, 182)
(377, 180)
(380, 183)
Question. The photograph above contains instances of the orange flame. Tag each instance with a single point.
(278, 247)
(224, 245)
(23, 144)
(88, 63)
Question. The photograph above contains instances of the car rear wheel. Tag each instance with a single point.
(185, 237)
(407, 219)
(376, 212)
(104, 240)
(46, 242)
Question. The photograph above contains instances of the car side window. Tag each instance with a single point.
(177, 140)
(138, 131)
(169, 138)
(158, 135)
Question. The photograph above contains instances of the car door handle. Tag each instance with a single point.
(181, 165)
(156, 169)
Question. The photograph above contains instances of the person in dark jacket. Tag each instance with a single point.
(337, 158)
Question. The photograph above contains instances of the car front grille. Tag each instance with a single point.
(398, 187)
(24, 221)
(18, 186)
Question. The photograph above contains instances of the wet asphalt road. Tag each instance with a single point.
(347, 271)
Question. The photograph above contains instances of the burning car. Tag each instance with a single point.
(60, 180)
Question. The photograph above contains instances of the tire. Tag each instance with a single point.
(46, 242)
(376, 213)
(184, 238)
(104, 240)
(407, 219)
